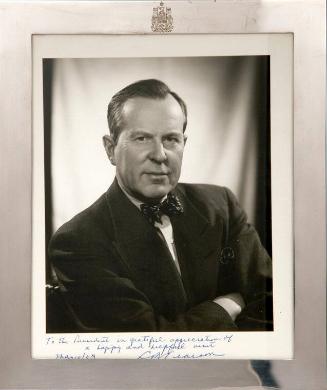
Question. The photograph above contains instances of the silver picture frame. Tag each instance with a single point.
(305, 21)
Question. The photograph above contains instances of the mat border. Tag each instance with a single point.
(276, 344)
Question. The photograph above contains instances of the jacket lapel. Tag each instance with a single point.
(147, 257)
(198, 245)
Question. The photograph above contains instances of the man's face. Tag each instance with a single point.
(149, 151)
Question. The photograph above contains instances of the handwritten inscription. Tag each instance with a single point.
(87, 347)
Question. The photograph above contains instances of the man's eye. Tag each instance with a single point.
(172, 140)
(141, 138)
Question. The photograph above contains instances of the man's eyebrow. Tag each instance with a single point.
(135, 132)
(174, 133)
(138, 132)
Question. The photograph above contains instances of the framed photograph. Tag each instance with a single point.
(237, 294)
(241, 161)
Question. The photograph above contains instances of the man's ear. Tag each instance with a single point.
(109, 145)
(185, 138)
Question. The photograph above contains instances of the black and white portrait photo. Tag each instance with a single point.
(157, 194)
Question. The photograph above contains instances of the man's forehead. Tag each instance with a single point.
(138, 104)
(136, 131)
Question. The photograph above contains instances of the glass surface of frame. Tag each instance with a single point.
(307, 369)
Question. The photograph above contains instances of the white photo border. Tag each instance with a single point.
(276, 344)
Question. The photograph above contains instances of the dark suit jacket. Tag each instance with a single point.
(114, 272)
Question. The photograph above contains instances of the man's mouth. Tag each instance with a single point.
(157, 173)
(157, 177)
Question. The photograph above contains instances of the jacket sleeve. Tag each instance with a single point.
(90, 296)
(246, 268)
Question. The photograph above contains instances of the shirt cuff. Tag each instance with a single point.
(232, 303)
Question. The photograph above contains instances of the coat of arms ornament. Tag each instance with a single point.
(162, 20)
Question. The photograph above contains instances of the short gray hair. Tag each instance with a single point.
(151, 88)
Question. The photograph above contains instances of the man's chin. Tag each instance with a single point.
(155, 194)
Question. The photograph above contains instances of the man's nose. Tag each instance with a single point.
(158, 152)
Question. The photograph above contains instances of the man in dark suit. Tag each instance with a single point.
(151, 254)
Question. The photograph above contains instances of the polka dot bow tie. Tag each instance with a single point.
(170, 206)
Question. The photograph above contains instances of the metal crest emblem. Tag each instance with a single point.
(162, 20)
